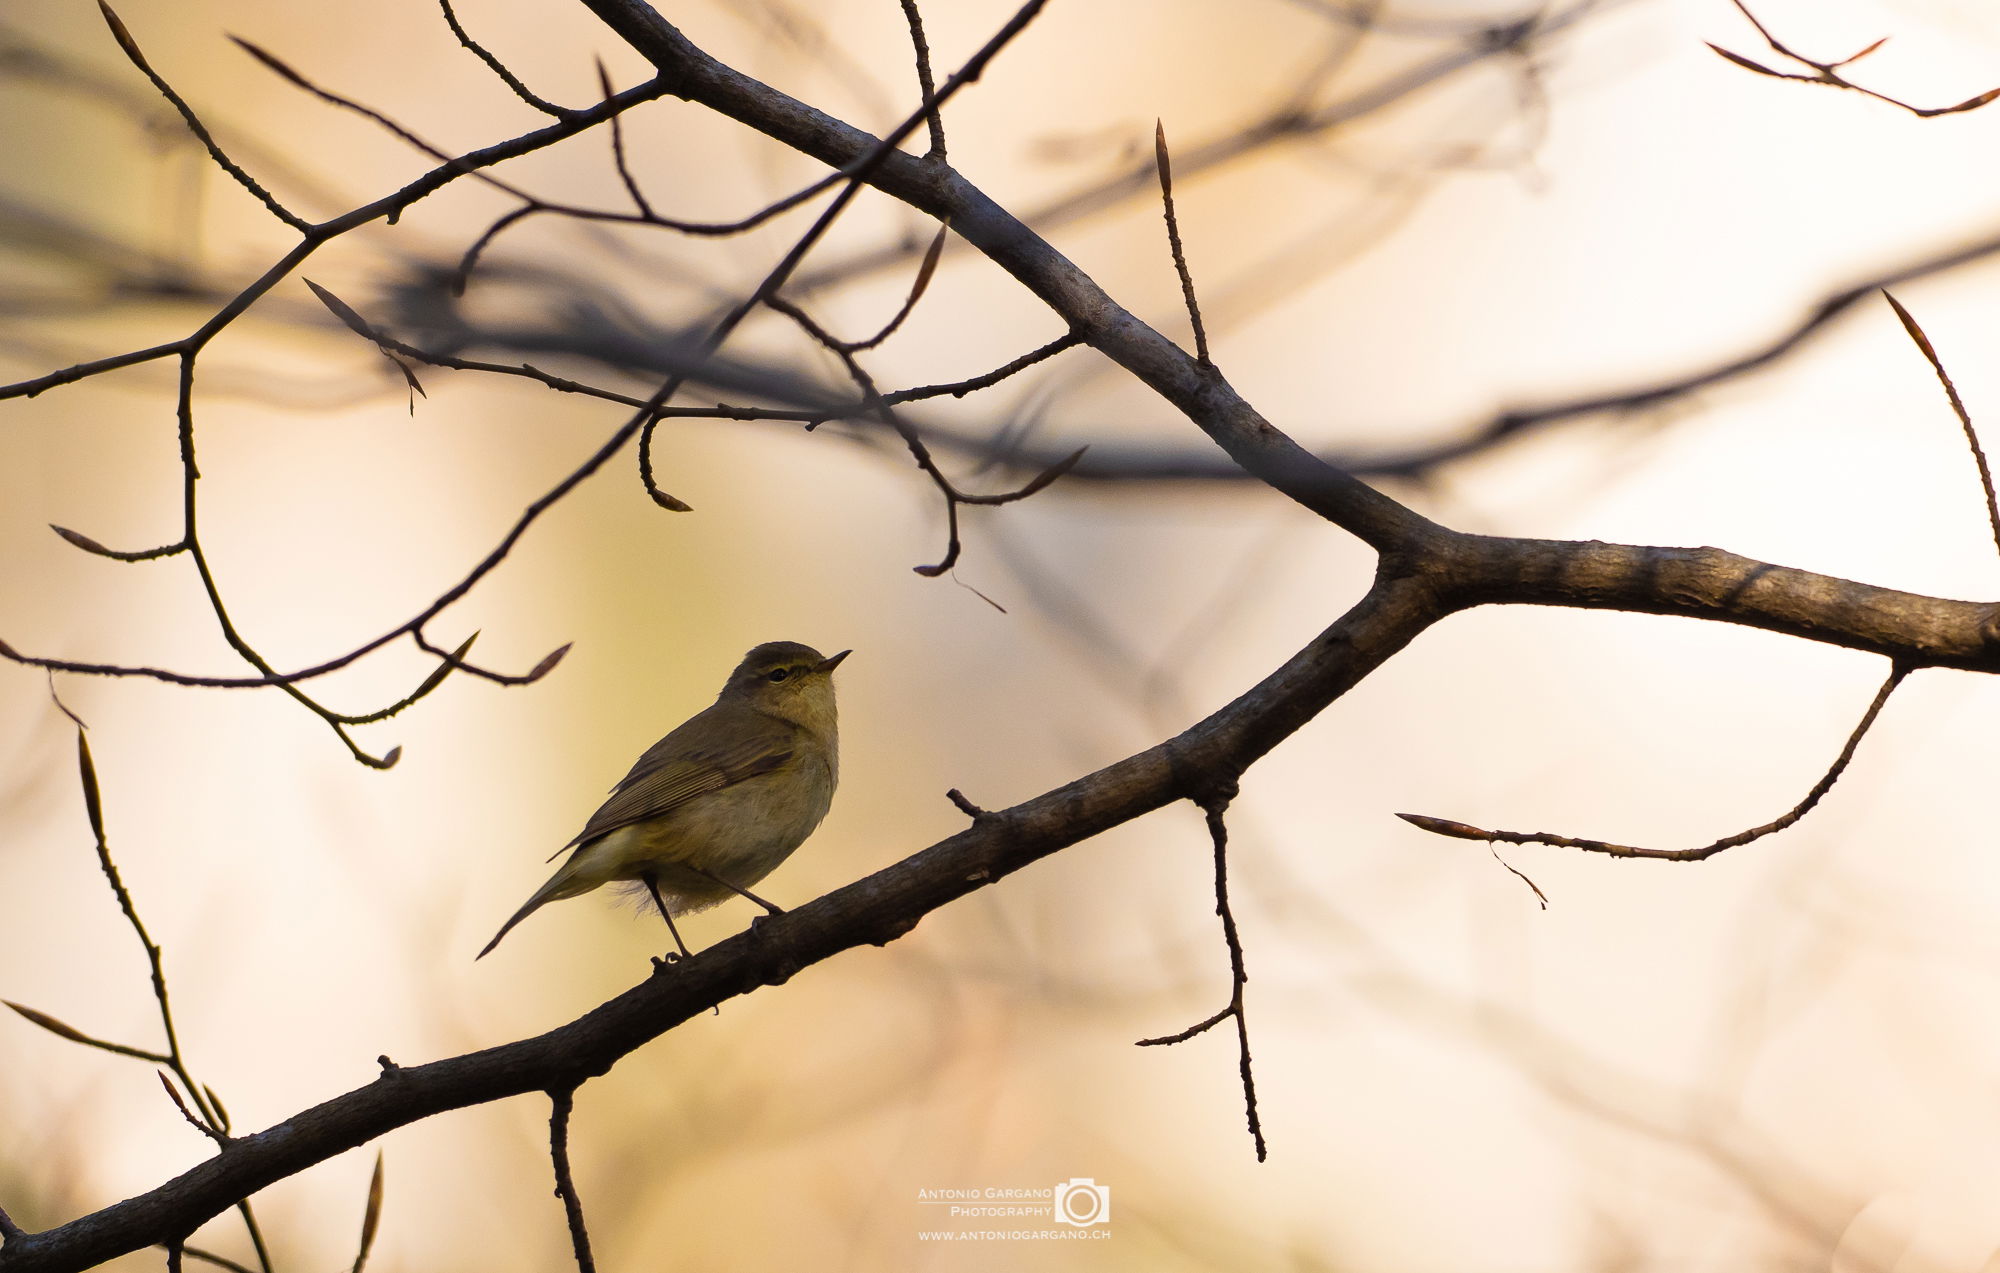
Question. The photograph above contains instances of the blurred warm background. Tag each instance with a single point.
(1780, 1059)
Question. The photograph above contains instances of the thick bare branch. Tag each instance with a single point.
(1709, 583)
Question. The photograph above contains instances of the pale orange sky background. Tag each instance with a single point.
(1780, 1056)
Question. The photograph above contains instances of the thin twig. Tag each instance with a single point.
(371, 1216)
(180, 1103)
(210, 1257)
(960, 388)
(78, 540)
(925, 269)
(618, 147)
(1522, 876)
(84, 370)
(468, 260)
(212, 1121)
(499, 68)
(63, 1030)
(921, 453)
(195, 126)
(1166, 168)
(923, 53)
(191, 476)
(456, 659)
(1465, 831)
(1958, 409)
(93, 805)
(559, 1111)
(1213, 808)
(533, 205)
(965, 806)
(1828, 73)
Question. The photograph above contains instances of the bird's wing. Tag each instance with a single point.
(674, 771)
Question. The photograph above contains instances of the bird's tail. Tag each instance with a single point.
(562, 884)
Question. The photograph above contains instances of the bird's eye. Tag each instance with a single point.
(778, 674)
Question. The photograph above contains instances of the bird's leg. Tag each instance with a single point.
(653, 887)
(740, 892)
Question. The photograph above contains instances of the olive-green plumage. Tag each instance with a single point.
(729, 794)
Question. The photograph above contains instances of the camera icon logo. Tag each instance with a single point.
(1082, 1202)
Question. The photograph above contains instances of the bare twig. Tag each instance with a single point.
(456, 659)
(533, 205)
(499, 68)
(1165, 165)
(89, 545)
(210, 1257)
(199, 1124)
(922, 49)
(1214, 807)
(925, 268)
(206, 1115)
(559, 1111)
(1828, 73)
(1464, 831)
(63, 1030)
(618, 148)
(965, 806)
(1522, 876)
(1923, 343)
(953, 497)
(191, 476)
(371, 1216)
(960, 388)
(93, 804)
(195, 126)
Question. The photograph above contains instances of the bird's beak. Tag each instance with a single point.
(828, 664)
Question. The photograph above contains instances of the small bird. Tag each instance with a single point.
(717, 804)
